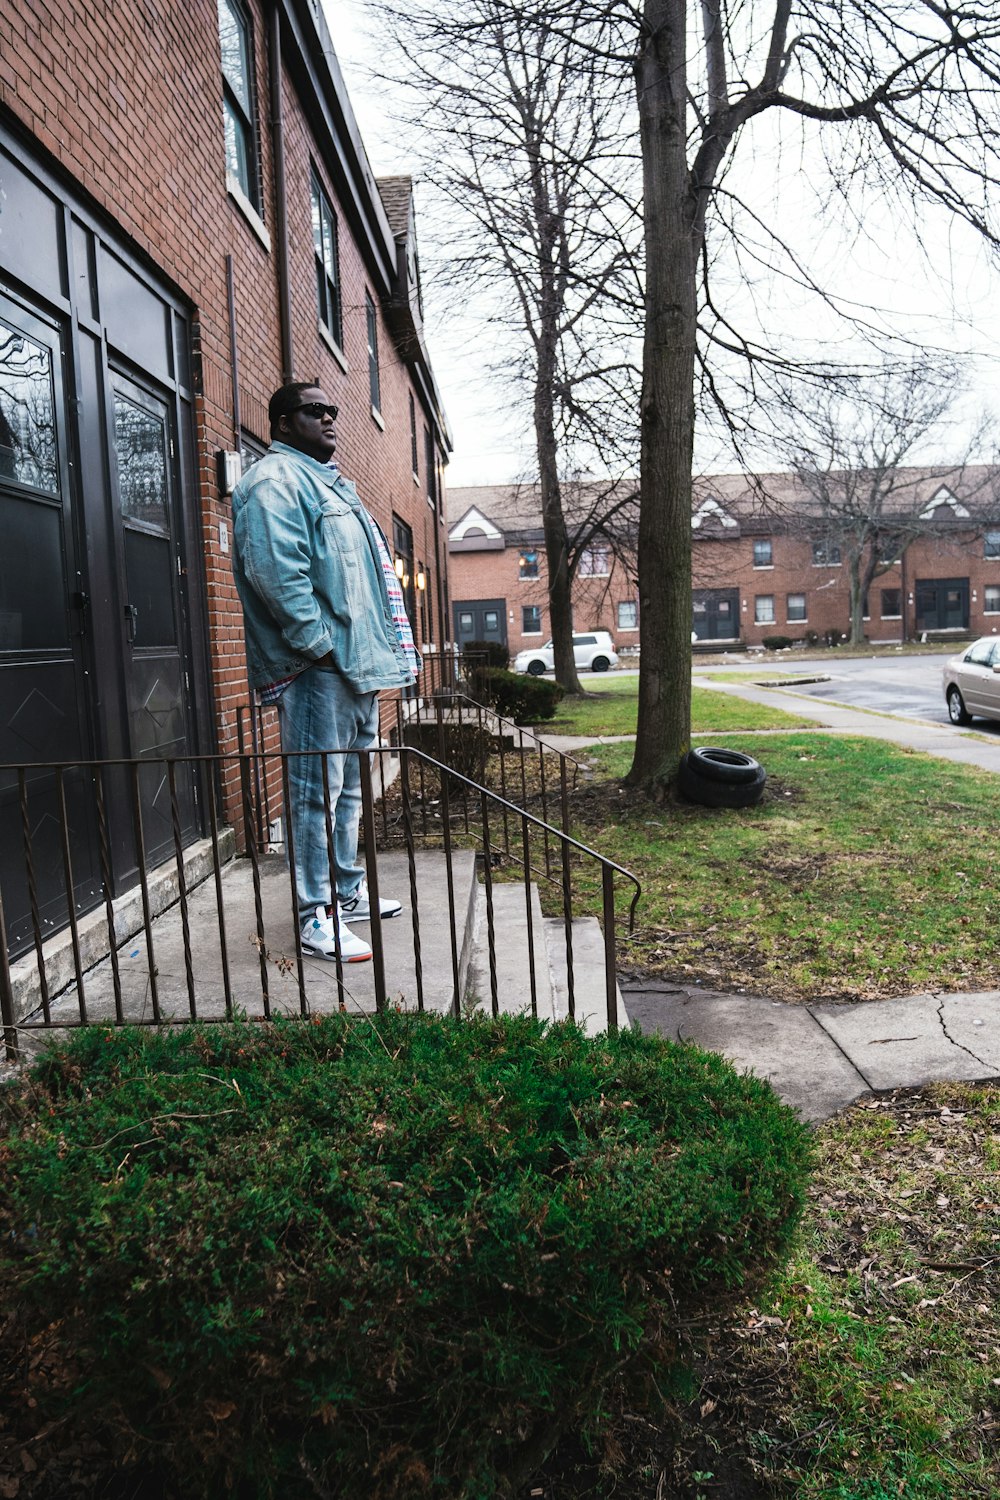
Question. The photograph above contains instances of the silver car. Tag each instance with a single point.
(972, 682)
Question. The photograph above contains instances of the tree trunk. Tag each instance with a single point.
(857, 589)
(667, 407)
(553, 520)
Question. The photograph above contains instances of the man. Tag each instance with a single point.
(324, 635)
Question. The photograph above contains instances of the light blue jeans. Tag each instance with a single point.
(320, 711)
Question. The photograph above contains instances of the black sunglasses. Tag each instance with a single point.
(317, 409)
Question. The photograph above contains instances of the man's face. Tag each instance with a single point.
(312, 432)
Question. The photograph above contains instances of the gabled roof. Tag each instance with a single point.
(726, 505)
(943, 497)
(396, 194)
(712, 510)
(473, 523)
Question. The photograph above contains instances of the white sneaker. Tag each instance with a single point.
(317, 937)
(359, 907)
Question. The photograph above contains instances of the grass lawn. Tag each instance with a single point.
(613, 708)
(870, 1369)
(866, 871)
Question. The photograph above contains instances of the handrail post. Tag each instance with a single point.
(610, 963)
(7, 994)
(371, 865)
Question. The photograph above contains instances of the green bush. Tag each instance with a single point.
(516, 695)
(378, 1258)
(465, 747)
(485, 654)
(777, 642)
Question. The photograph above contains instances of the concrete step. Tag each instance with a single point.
(590, 996)
(270, 951)
(514, 944)
(513, 970)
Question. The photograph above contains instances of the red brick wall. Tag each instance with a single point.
(728, 564)
(497, 575)
(128, 99)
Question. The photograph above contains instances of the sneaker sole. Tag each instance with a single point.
(359, 958)
(387, 916)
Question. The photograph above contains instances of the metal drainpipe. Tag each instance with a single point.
(902, 599)
(280, 212)
(234, 360)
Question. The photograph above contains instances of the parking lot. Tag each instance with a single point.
(906, 685)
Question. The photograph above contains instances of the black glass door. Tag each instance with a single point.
(43, 599)
(152, 577)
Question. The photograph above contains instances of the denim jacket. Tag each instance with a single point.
(307, 571)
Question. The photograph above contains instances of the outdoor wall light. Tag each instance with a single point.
(422, 581)
(400, 567)
(229, 467)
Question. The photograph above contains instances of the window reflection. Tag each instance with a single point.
(142, 464)
(27, 413)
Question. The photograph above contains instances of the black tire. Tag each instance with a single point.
(694, 787)
(957, 711)
(600, 664)
(716, 764)
(536, 668)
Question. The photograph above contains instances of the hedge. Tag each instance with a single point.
(516, 695)
(382, 1257)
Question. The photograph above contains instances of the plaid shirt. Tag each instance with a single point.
(273, 691)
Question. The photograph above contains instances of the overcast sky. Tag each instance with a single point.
(947, 296)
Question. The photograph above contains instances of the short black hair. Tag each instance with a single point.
(286, 398)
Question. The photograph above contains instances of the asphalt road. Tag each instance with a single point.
(905, 685)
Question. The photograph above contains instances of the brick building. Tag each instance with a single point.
(498, 572)
(763, 564)
(187, 216)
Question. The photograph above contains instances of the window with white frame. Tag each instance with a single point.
(371, 323)
(991, 545)
(991, 599)
(413, 437)
(795, 608)
(892, 604)
(327, 256)
(763, 554)
(628, 615)
(527, 563)
(825, 554)
(595, 562)
(239, 111)
(763, 609)
(531, 619)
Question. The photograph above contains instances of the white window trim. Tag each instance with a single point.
(248, 211)
(763, 567)
(378, 419)
(332, 345)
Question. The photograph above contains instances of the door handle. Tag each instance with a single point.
(131, 621)
(81, 601)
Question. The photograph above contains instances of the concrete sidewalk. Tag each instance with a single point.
(967, 747)
(820, 1057)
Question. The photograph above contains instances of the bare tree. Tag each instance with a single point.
(892, 99)
(849, 445)
(529, 157)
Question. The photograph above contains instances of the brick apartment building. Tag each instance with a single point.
(187, 217)
(763, 565)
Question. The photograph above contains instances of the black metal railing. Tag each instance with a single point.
(448, 724)
(200, 935)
